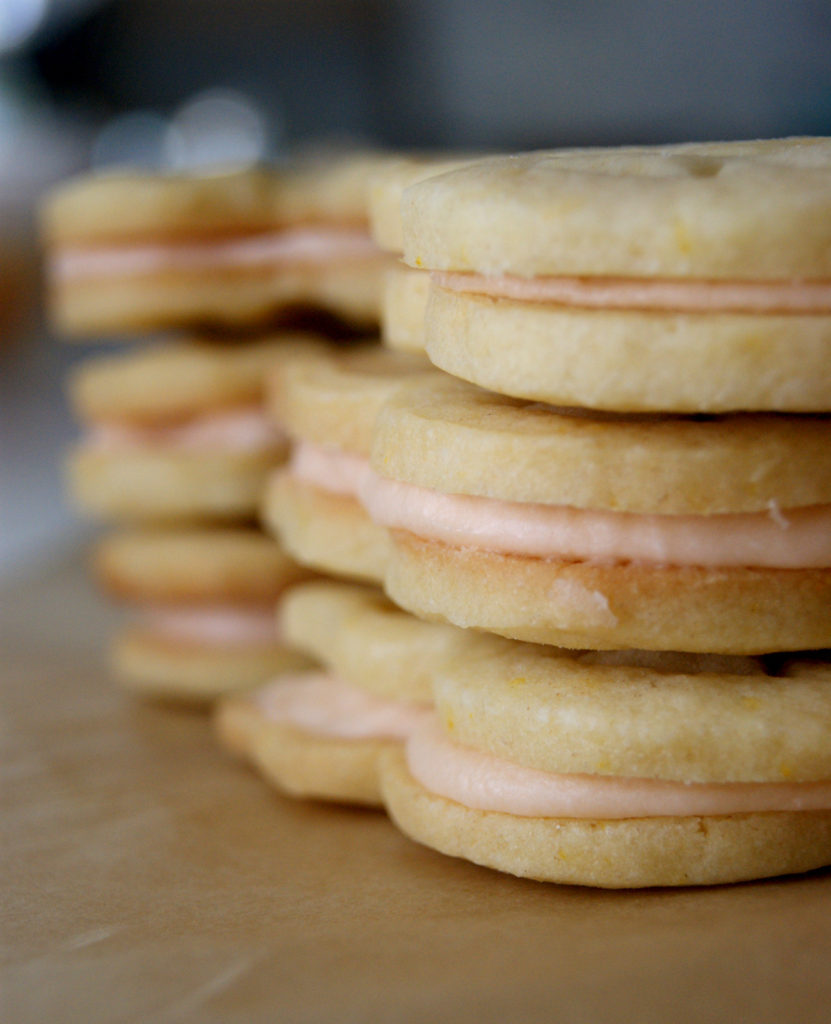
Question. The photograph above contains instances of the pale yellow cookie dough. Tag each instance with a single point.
(325, 531)
(638, 714)
(195, 564)
(319, 767)
(662, 212)
(452, 437)
(624, 360)
(333, 398)
(173, 381)
(162, 486)
(403, 310)
(580, 604)
(366, 640)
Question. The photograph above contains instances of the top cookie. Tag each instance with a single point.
(386, 186)
(744, 212)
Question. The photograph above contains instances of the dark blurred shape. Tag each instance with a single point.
(460, 73)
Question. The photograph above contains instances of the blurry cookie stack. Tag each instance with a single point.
(177, 446)
(322, 734)
(601, 511)
(638, 507)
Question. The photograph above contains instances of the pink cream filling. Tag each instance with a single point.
(297, 246)
(796, 539)
(694, 296)
(321, 703)
(235, 430)
(215, 626)
(488, 783)
(330, 469)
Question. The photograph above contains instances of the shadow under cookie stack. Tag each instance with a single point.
(599, 513)
(177, 446)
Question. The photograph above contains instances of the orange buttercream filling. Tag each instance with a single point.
(485, 782)
(691, 296)
(231, 430)
(788, 539)
(292, 246)
(214, 625)
(323, 704)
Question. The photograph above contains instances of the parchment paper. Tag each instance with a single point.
(147, 877)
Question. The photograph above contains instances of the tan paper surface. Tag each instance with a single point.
(147, 877)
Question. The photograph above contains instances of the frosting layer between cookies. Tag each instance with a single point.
(690, 296)
(328, 468)
(798, 538)
(246, 429)
(296, 246)
(220, 626)
(485, 782)
(321, 703)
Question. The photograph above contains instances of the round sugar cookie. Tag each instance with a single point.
(627, 853)
(449, 436)
(386, 185)
(404, 308)
(580, 604)
(175, 381)
(625, 360)
(324, 530)
(760, 213)
(158, 486)
(363, 638)
(122, 205)
(154, 665)
(334, 398)
(635, 714)
(317, 767)
(192, 565)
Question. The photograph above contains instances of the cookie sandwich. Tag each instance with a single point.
(320, 734)
(201, 603)
(687, 278)
(238, 248)
(177, 431)
(596, 530)
(620, 770)
(328, 404)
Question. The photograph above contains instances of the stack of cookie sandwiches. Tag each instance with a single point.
(621, 489)
(177, 446)
(321, 734)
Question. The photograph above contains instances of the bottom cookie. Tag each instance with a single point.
(319, 767)
(620, 854)
(328, 531)
(157, 666)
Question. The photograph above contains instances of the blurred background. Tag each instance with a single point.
(182, 83)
